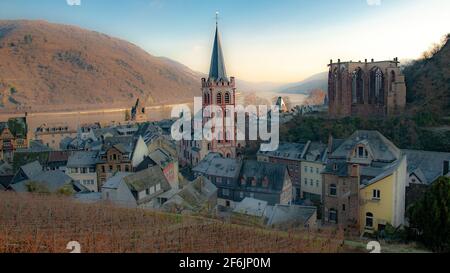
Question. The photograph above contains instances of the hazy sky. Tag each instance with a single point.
(263, 40)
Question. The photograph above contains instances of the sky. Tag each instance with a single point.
(263, 40)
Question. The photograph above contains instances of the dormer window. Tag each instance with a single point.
(362, 152)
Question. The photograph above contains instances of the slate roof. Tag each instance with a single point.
(82, 159)
(384, 172)
(217, 70)
(36, 147)
(193, 196)
(114, 182)
(147, 178)
(284, 214)
(286, 150)
(382, 149)
(215, 165)
(316, 152)
(145, 164)
(160, 157)
(428, 166)
(251, 206)
(51, 180)
(275, 173)
(32, 169)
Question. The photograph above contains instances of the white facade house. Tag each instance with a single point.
(81, 168)
(136, 190)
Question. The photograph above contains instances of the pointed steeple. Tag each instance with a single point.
(217, 71)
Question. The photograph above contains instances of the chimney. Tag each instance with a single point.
(354, 170)
(330, 143)
(365, 60)
(373, 60)
(331, 61)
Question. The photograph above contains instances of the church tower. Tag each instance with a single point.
(220, 90)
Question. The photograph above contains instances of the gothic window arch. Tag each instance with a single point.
(219, 98)
(358, 86)
(227, 98)
(377, 86)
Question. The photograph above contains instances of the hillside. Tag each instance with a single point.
(317, 81)
(66, 67)
(428, 81)
(42, 224)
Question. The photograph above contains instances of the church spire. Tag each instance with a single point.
(217, 71)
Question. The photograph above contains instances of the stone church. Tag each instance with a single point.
(366, 89)
(217, 90)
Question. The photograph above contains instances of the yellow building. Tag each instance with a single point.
(382, 199)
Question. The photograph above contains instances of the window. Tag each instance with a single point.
(306, 182)
(147, 191)
(103, 169)
(306, 169)
(227, 98)
(360, 151)
(332, 217)
(83, 170)
(312, 170)
(219, 98)
(376, 194)
(358, 86)
(317, 183)
(114, 157)
(343, 207)
(119, 168)
(312, 182)
(317, 170)
(333, 190)
(226, 192)
(369, 220)
(376, 86)
(158, 187)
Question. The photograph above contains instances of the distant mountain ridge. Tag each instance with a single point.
(317, 81)
(66, 67)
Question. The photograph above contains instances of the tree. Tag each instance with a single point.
(431, 216)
